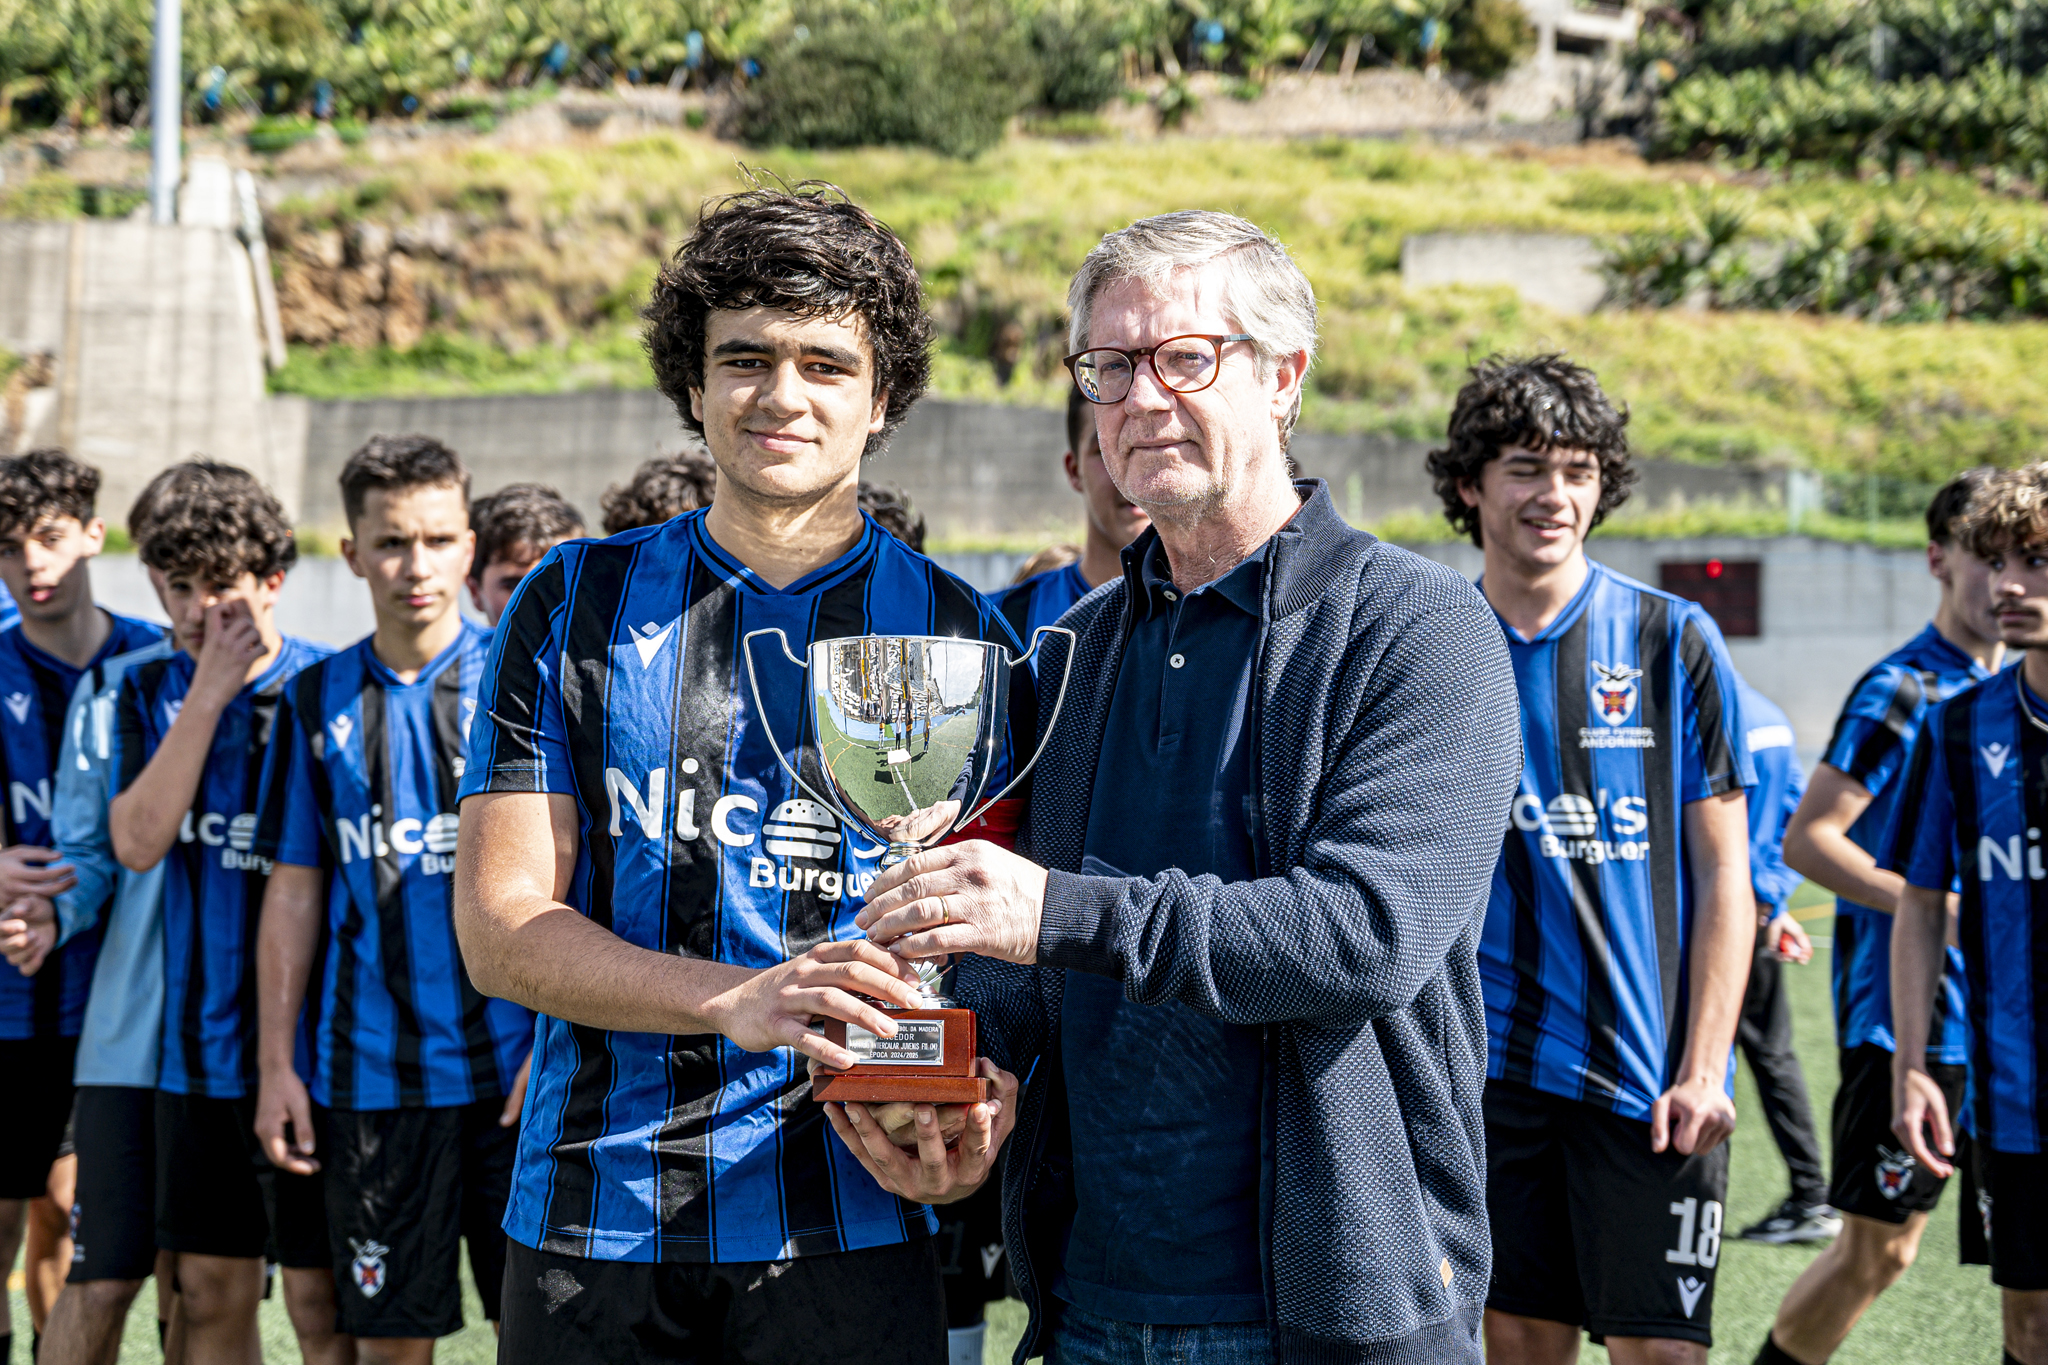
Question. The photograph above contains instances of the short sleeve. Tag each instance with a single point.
(518, 741)
(289, 830)
(1921, 842)
(1716, 756)
(1875, 730)
(131, 744)
(78, 824)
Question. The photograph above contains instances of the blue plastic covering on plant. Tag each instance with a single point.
(409, 103)
(751, 67)
(693, 49)
(558, 57)
(216, 83)
(1431, 30)
(323, 100)
(1209, 32)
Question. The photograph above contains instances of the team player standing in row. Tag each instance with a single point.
(1972, 806)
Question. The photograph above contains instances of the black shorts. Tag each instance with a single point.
(1593, 1228)
(404, 1187)
(2013, 1200)
(113, 1215)
(1875, 1176)
(971, 1263)
(217, 1193)
(881, 1306)
(38, 1072)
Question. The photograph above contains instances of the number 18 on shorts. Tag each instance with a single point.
(1591, 1227)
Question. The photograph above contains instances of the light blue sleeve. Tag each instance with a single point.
(79, 822)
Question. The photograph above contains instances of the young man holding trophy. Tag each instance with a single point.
(640, 864)
(1237, 955)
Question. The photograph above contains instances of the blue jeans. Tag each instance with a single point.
(1085, 1339)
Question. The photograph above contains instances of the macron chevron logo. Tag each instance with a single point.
(1689, 1290)
(1996, 756)
(172, 707)
(341, 727)
(649, 639)
(17, 707)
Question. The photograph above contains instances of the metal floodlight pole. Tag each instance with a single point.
(167, 114)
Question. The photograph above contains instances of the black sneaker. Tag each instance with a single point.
(1793, 1221)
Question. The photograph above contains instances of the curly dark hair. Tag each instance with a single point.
(659, 490)
(45, 483)
(390, 462)
(531, 516)
(892, 509)
(806, 249)
(1539, 402)
(213, 522)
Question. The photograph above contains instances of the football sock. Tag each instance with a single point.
(1772, 1355)
(163, 1335)
(6, 1348)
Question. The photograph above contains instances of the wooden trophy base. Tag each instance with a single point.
(937, 1047)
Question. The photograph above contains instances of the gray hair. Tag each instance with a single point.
(1264, 291)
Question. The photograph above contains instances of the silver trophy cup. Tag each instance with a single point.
(908, 727)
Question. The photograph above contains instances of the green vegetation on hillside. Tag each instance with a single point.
(1859, 84)
(514, 307)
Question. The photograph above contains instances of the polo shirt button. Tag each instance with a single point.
(1169, 597)
(1177, 660)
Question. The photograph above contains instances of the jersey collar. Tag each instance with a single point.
(381, 671)
(739, 574)
(1947, 658)
(1573, 609)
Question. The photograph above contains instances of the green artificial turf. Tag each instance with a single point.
(1938, 1312)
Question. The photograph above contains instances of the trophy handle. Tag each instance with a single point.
(1059, 699)
(754, 683)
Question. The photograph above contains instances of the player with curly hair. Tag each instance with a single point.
(660, 489)
(191, 735)
(638, 868)
(1617, 942)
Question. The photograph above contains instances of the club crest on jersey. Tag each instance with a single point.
(17, 707)
(1894, 1172)
(341, 727)
(1996, 756)
(368, 1266)
(1614, 696)
(649, 639)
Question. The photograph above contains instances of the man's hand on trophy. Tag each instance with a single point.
(774, 1007)
(959, 898)
(28, 933)
(934, 1172)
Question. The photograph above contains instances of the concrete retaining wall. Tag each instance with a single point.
(973, 469)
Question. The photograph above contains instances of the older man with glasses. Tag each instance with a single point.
(1235, 961)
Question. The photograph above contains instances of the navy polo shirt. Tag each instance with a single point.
(1162, 1099)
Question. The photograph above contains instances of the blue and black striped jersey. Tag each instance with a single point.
(213, 875)
(1971, 809)
(1872, 738)
(1629, 712)
(1042, 599)
(617, 679)
(361, 785)
(1767, 734)
(35, 693)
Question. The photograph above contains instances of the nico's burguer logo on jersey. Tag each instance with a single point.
(804, 835)
(1615, 695)
(432, 840)
(1571, 826)
(235, 838)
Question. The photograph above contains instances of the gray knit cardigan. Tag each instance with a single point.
(1386, 749)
